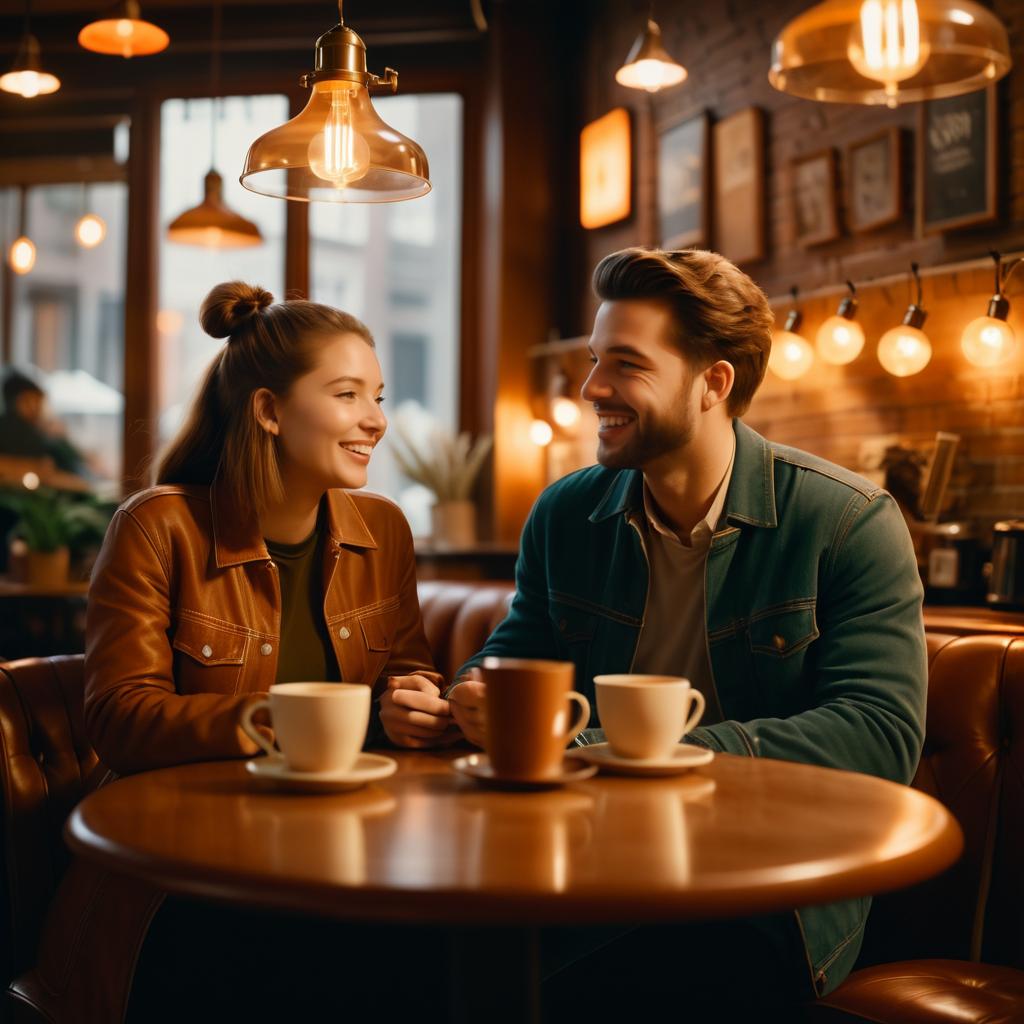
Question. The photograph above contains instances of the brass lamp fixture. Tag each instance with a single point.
(989, 340)
(648, 65)
(906, 350)
(889, 51)
(791, 354)
(27, 77)
(212, 223)
(123, 33)
(338, 150)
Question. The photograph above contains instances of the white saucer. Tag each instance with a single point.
(478, 766)
(367, 768)
(684, 757)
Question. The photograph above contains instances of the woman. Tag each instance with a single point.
(251, 562)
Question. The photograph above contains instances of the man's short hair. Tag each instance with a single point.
(718, 311)
(17, 384)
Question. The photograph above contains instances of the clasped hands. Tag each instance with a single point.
(414, 714)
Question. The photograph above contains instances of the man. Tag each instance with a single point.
(784, 587)
(21, 426)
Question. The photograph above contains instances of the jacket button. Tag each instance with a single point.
(207, 651)
(344, 632)
(266, 649)
(270, 565)
(779, 642)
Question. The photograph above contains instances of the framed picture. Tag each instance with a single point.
(956, 184)
(874, 181)
(683, 184)
(738, 159)
(813, 180)
(606, 152)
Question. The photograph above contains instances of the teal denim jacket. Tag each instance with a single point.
(814, 624)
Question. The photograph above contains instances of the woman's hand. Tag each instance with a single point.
(413, 712)
(468, 706)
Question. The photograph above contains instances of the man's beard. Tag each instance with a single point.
(653, 439)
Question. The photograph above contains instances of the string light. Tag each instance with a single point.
(541, 433)
(906, 350)
(989, 340)
(840, 338)
(791, 355)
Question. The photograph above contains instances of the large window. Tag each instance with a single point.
(67, 315)
(396, 266)
(188, 272)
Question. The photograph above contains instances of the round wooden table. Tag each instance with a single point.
(738, 836)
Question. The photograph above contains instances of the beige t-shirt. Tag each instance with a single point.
(674, 637)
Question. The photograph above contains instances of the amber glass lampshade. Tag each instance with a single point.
(338, 150)
(124, 33)
(648, 64)
(27, 77)
(213, 224)
(889, 51)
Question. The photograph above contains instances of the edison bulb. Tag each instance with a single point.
(791, 355)
(565, 412)
(338, 153)
(887, 43)
(987, 341)
(90, 231)
(22, 255)
(541, 433)
(904, 351)
(839, 340)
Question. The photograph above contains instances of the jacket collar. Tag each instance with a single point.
(751, 497)
(237, 537)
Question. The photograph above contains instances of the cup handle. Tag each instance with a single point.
(581, 719)
(696, 713)
(252, 732)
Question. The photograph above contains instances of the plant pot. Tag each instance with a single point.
(47, 568)
(453, 524)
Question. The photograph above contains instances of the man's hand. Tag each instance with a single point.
(468, 703)
(413, 713)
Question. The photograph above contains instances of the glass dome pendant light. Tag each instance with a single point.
(213, 224)
(906, 350)
(123, 33)
(989, 340)
(91, 228)
(791, 355)
(840, 338)
(338, 150)
(889, 51)
(27, 77)
(648, 64)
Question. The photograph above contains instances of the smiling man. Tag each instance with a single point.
(784, 587)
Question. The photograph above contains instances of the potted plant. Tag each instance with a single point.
(448, 466)
(51, 524)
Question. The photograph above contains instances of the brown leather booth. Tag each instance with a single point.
(949, 950)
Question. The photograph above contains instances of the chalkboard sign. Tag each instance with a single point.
(957, 161)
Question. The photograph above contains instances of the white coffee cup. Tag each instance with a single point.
(643, 716)
(320, 727)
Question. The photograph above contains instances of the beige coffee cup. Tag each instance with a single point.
(320, 727)
(644, 717)
(528, 723)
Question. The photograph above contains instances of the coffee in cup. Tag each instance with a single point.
(643, 716)
(320, 727)
(528, 715)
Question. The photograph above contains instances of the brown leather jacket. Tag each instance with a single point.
(184, 617)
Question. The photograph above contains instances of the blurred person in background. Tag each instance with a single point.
(25, 431)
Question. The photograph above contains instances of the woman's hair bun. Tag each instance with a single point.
(230, 305)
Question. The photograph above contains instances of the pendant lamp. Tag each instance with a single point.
(840, 338)
(213, 223)
(27, 77)
(21, 256)
(791, 355)
(123, 33)
(91, 228)
(889, 51)
(648, 64)
(906, 350)
(338, 150)
(989, 340)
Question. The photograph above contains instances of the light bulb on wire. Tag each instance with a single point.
(91, 229)
(887, 44)
(840, 338)
(21, 257)
(791, 354)
(906, 350)
(989, 340)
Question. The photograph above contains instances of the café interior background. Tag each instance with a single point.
(476, 292)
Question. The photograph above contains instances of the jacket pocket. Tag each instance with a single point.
(780, 642)
(207, 658)
(379, 630)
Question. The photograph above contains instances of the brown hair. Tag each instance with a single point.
(270, 345)
(719, 312)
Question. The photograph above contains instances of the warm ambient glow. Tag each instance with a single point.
(338, 153)
(605, 172)
(127, 36)
(791, 355)
(904, 350)
(886, 44)
(565, 412)
(30, 481)
(839, 340)
(90, 231)
(21, 256)
(987, 341)
(541, 433)
(648, 65)
(29, 83)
